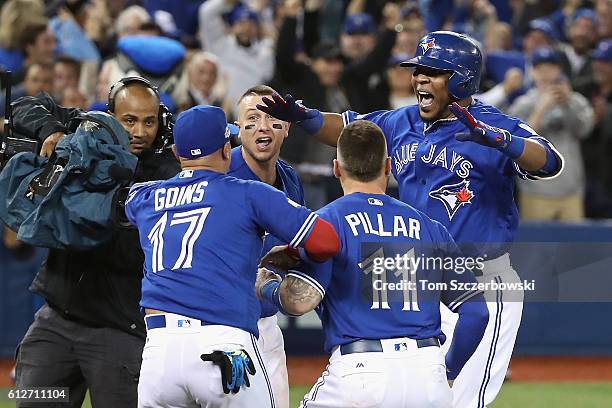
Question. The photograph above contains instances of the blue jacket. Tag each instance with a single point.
(67, 202)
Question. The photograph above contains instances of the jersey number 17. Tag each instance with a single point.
(195, 219)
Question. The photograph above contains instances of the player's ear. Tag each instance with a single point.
(227, 151)
(388, 166)
(336, 169)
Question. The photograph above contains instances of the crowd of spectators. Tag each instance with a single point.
(548, 62)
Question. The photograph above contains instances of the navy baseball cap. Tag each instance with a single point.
(545, 54)
(585, 13)
(241, 13)
(603, 52)
(360, 23)
(200, 131)
(545, 26)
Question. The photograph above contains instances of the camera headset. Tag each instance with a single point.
(163, 139)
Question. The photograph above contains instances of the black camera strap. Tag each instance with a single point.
(5, 81)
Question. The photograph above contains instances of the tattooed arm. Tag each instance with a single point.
(293, 295)
(298, 296)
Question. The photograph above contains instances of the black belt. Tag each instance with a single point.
(375, 346)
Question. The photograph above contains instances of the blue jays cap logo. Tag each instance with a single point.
(427, 44)
(453, 196)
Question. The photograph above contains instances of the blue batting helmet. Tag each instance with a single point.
(454, 52)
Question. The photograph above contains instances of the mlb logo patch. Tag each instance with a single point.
(184, 323)
(401, 347)
(375, 201)
(186, 174)
(195, 152)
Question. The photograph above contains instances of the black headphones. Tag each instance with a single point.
(163, 139)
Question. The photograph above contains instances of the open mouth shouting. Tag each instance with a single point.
(263, 143)
(425, 99)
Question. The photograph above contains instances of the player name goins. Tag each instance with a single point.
(166, 198)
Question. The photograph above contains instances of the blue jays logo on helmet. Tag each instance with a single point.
(427, 43)
(454, 52)
(454, 196)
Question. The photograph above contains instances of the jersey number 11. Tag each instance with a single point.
(380, 285)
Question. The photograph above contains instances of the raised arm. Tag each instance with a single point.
(533, 155)
(385, 41)
(330, 130)
(286, 65)
(325, 127)
(212, 27)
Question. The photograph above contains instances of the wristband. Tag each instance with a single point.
(514, 148)
(270, 291)
(314, 124)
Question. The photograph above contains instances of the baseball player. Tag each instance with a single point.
(262, 137)
(201, 232)
(382, 340)
(456, 159)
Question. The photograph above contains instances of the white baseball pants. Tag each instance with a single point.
(172, 374)
(272, 347)
(398, 377)
(483, 375)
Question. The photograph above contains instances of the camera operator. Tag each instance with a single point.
(90, 333)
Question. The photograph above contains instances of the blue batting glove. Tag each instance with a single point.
(242, 365)
(486, 135)
(235, 367)
(289, 110)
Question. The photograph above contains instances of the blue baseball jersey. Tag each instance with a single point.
(288, 182)
(202, 234)
(355, 305)
(467, 187)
